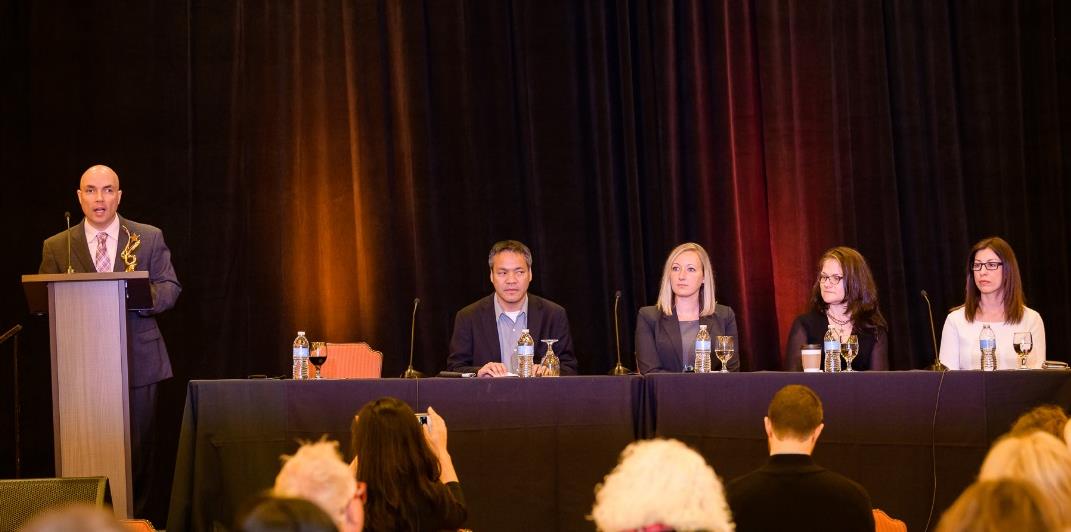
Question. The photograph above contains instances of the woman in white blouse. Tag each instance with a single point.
(994, 297)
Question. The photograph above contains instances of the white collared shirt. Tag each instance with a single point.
(112, 243)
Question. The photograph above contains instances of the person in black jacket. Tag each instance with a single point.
(665, 331)
(843, 296)
(791, 492)
(410, 477)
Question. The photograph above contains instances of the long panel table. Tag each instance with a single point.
(529, 452)
(882, 429)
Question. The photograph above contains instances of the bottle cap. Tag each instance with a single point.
(301, 333)
(702, 327)
(524, 331)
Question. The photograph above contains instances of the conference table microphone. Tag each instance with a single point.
(618, 369)
(937, 365)
(67, 215)
(411, 373)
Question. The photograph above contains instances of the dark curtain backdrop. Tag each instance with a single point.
(316, 165)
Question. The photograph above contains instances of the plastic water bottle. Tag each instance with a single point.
(831, 346)
(702, 350)
(301, 357)
(525, 354)
(987, 343)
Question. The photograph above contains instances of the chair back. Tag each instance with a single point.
(884, 523)
(352, 361)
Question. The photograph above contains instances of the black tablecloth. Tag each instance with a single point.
(880, 427)
(529, 451)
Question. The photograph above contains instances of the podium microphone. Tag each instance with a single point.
(411, 373)
(618, 369)
(67, 215)
(937, 365)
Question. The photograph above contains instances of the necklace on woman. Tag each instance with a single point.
(837, 321)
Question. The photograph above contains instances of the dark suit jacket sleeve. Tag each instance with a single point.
(462, 345)
(48, 260)
(164, 283)
(558, 327)
(647, 359)
(879, 356)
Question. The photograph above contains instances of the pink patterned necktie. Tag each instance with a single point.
(102, 261)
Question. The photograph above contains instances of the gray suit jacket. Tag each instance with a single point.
(658, 339)
(146, 352)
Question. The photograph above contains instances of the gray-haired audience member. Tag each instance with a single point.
(317, 473)
(791, 492)
(661, 485)
(1039, 458)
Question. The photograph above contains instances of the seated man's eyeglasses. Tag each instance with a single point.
(991, 265)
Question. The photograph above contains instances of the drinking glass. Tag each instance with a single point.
(723, 349)
(1023, 342)
(551, 365)
(317, 356)
(849, 350)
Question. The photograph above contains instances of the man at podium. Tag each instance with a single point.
(96, 245)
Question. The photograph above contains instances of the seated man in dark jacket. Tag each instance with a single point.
(791, 492)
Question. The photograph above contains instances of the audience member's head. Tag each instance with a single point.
(1038, 458)
(1067, 433)
(266, 513)
(661, 483)
(74, 518)
(794, 420)
(395, 461)
(316, 472)
(998, 506)
(1047, 418)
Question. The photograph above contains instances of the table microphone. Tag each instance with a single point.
(937, 365)
(411, 373)
(618, 369)
(67, 215)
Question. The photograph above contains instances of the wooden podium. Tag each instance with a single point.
(90, 386)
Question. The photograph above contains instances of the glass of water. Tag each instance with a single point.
(1023, 342)
(724, 347)
(849, 350)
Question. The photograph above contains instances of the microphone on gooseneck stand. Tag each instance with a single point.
(937, 365)
(67, 215)
(618, 369)
(411, 373)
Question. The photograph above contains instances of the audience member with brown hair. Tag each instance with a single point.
(792, 492)
(999, 506)
(1046, 418)
(317, 473)
(410, 476)
(1038, 458)
(661, 485)
(267, 513)
(74, 518)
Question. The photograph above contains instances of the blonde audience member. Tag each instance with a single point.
(661, 485)
(317, 473)
(1046, 418)
(998, 506)
(1038, 458)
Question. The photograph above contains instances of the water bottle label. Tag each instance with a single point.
(526, 350)
(831, 345)
(301, 352)
(988, 344)
(702, 345)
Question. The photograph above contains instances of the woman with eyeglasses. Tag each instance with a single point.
(843, 296)
(994, 297)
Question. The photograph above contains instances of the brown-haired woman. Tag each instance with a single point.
(994, 297)
(411, 481)
(843, 296)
